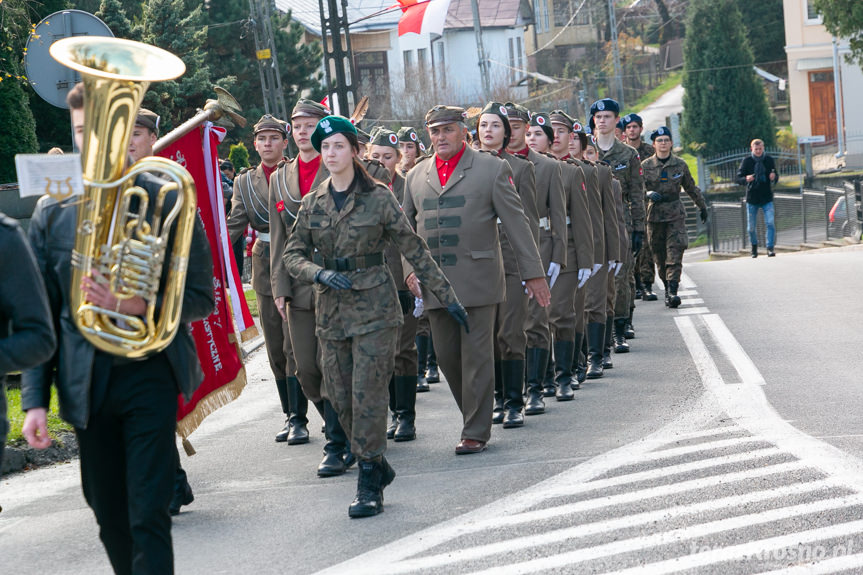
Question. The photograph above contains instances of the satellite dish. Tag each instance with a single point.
(52, 80)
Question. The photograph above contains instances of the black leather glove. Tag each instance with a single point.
(406, 300)
(703, 214)
(637, 242)
(333, 279)
(459, 314)
(654, 196)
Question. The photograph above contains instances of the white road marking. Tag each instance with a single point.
(692, 310)
(832, 565)
(733, 350)
(685, 293)
(691, 301)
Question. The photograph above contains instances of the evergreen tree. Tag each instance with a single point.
(724, 104)
(231, 57)
(112, 13)
(239, 156)
(765, 30)
(171, 25)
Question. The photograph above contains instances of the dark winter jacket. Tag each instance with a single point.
(760, 190)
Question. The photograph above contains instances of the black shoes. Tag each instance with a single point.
(672, 300)
(282, 436)
(754, 250)
(422, 342)
(374, 476)
(512, 372)
(332, 465)
(563, 353)
(298, 433)
(771, 253)
(391, 428)
(648, 294)
(537, 361)
(609, 342)
(595, 344)
(182, 493)
(620, 344)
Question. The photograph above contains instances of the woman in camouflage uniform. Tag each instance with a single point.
(338, 242)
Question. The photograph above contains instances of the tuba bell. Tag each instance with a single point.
(120, 231)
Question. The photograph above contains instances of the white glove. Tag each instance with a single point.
(553, 272)
(617, 268)
(596, 268)
(583, 276)
(612, 265)
(418, 307)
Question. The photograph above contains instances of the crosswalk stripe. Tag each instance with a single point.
(744, 549)
(692, 310)
(691, 301)
(687, 533)
(832, 565)
(689, 449)
(701, 433)
(588, 529)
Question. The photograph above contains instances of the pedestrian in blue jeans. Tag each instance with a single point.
(758, 173)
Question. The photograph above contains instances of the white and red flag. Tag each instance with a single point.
(423, 16)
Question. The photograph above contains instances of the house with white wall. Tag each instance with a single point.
(823, 87)
(397, 71)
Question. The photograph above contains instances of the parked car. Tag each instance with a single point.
(838, 217)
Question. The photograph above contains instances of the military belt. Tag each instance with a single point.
(264, 237)
(443, 222)
(544, 224)
(351, 263)
(445, 260)
(444, 240)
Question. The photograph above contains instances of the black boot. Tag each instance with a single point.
(282, 387)
(298, 431)
(648, 293)
(563, 351)
(394, 420)
(595, 343)
(497, 414)
(433, 374)
(422, 362)
(639, 290)
(620, 345)
(754, 250)
(579, 368)
(182, 490)
(609, 341)
(337, 451)
(548, 389)
(629, 331)
(537, 360)
(406, 400)
(513, 392)
(674, 299)
(373, 477)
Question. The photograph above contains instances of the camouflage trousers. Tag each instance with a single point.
(644, 267)
(668, 241)
(357, 373)
(624, 284)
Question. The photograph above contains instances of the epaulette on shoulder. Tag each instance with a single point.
(548, 155)
(244, 170)
(283, 161)
(491, 153)
(520, 158)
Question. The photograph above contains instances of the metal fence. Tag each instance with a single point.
(722, 168)
(813, 217)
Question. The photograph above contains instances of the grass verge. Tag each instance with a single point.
(16, 416)
(692, 164)
(252, 300)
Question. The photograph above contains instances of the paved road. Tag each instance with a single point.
(669, 103)
(726, 442)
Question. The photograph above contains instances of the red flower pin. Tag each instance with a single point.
(280, 207)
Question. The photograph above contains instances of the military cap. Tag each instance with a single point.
(309, 109)
(542, 120)
(384, 137)
(499, 110)
(606, 104)
(660, 131)
(630, 118)
(561, 117)
(517, 112)
(330, 126)
(270, 122)
(148, 119)
(620, 125)
(408, 134)
(440, 115)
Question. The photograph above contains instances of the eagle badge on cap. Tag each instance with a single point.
(600, 105)
(540, 120)
(325, 124)
(394, 139)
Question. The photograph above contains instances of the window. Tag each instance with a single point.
(511, 60)
(812, 15)
(373, 77)
(440, 63)
(563, 10)
(540, 15)
(519, 58)
(422, 59)
(408, 56)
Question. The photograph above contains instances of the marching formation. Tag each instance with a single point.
(511, 259)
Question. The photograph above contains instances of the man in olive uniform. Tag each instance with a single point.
(633, 126)
(295, 299)
(251, 206)
(454, 201)
(626, 168)
(567, 305)
(531, 138)
(495, 133)
(24, 307)
(664, 175)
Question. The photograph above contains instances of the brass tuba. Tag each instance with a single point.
(119, 232)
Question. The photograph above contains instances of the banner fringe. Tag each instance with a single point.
(187, 447)
(249, 333)
(210, 403)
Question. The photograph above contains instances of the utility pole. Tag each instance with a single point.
(483, 63)
(338, 61)
(618, 78)
(268, 64)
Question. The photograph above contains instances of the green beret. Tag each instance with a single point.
(148, 119)
(270, 122)
(384, 137)
(309, 108)
(440, 115)
(330, 126)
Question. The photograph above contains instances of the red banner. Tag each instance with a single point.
(215, 336)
